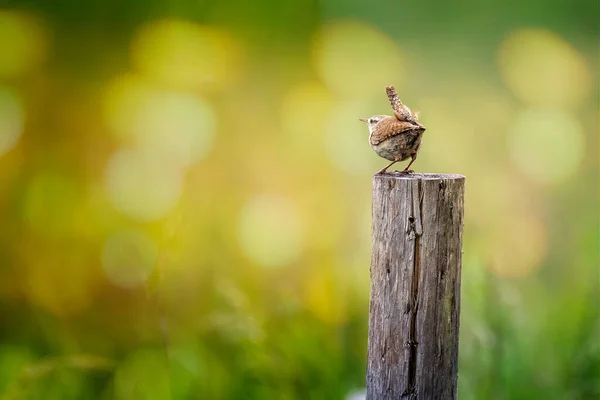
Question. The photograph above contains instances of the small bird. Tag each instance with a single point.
(397, 137)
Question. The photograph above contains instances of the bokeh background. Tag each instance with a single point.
(185, 192)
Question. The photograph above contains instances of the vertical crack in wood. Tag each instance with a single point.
(442, 254)
(416, 273)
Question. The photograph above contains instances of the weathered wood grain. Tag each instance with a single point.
(415, 286)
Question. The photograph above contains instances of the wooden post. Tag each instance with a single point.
(415, 286)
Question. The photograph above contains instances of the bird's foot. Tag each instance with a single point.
(381, 171)
(405, 171)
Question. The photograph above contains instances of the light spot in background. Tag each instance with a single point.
(22, 42)
(357, 395)
(51, 202)
(270, 231)
(129, 257)
(546, 145)
(518, 245)
(177, 125)
(185, 55)
(304, 111)
(347, 140)
(543, 70)
(498, 193)
(142, 185)
(143, 375)
(12, 118)
(356, 60)
(444, 144)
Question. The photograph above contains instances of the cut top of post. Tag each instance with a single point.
(417, 176)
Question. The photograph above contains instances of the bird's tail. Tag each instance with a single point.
(401, 111)
(394, 99)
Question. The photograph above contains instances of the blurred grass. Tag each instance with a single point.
(185, 193)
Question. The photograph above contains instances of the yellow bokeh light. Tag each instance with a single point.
(356, 60)
(22, 42)
(499, 193)
(129, 257)
(543, 70)
(270, 231)
(12, 118)
(444, 143)
(171, 124)
(547, 145)
(346, 140)
(179, 124)
(142, 185)
(304, 110)
(182, 54)
(518, 245)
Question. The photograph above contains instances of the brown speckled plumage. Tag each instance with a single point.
(397, 137)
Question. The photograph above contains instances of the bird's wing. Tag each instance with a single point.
(393, 125)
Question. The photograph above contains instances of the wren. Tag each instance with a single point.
(395, 137)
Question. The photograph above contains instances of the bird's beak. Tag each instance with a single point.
(363, 119)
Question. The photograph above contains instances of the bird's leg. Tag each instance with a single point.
(384, 169)
(413, 158)
(407, 170)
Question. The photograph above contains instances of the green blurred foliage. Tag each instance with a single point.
(185, 192)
